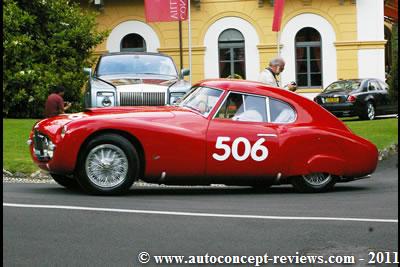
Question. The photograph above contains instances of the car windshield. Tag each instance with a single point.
(201, 99)
(136, 64)
(349, 85)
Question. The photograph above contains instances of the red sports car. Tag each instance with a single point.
(222, 132)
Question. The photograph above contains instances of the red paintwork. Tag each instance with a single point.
(181, 142)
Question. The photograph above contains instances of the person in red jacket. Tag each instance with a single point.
(55, 103)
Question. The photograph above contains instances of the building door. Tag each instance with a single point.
(231, 54)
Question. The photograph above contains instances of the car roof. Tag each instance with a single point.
(353, 80)
(245, 86)
(358, 80)
(134, 53)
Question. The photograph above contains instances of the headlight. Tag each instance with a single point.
(174, 97)
(50, 149)
(105, 99)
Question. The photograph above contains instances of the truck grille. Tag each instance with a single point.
(142, 98)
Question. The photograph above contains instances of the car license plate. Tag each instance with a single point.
(332, 100)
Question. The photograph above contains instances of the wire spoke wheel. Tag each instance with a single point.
(106, 166)
(314, 182)
(317, 179)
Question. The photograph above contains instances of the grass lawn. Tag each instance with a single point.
(16, 155)
(381, 132)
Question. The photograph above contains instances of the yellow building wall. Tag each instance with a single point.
(342, 17)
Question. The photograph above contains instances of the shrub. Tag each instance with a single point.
(394, 75)
(46, 43)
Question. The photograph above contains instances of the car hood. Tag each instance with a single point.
(52, 126)
(162, 80)
(123, 111)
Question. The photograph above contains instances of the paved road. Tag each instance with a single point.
(310, 224)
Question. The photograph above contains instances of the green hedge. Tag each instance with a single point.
(394, 75)
(46, 43)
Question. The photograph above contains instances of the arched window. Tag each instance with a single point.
(308, 58)
(133, 43)
(231, 54)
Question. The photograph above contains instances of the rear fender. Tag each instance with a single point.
(325, 163)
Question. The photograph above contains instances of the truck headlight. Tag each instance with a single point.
(174, 97)
(105, 99)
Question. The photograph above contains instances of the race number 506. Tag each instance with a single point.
(257, 152)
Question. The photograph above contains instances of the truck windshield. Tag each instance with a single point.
(136, 64)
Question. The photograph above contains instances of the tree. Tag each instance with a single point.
(394, 75)
(46, 43)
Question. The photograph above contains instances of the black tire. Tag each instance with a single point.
(66, 181)
(303, 184)
(368, 112)
(123, 148)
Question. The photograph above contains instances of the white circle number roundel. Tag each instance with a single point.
(258, 152)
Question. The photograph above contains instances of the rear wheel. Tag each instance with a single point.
(314, 183)
(108, 165)
(66, 181)
(368, 112)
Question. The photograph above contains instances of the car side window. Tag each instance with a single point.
(232, 106)
(281, 112)
(365, 87)
(384, 86)
(377, 86)
(372, 86)
(241, 107)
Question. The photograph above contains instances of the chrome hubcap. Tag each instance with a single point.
(371, 111)
(106, 166)
(317, 179)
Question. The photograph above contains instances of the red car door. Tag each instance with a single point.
(241, 144)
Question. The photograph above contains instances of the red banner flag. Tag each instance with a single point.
(278, 13)
(166, 10)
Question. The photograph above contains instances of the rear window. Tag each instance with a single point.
(281, 112)
(348, 85)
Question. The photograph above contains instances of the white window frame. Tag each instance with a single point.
(328, 38)
(251, 40)
(132, 26)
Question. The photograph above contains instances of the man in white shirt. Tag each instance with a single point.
(268, 75)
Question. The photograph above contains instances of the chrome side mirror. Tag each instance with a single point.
(184, 72)
(88, 71)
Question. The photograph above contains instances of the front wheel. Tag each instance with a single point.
(314, 183)
(108, 165)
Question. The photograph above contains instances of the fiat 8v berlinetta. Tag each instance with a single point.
(222, 132)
